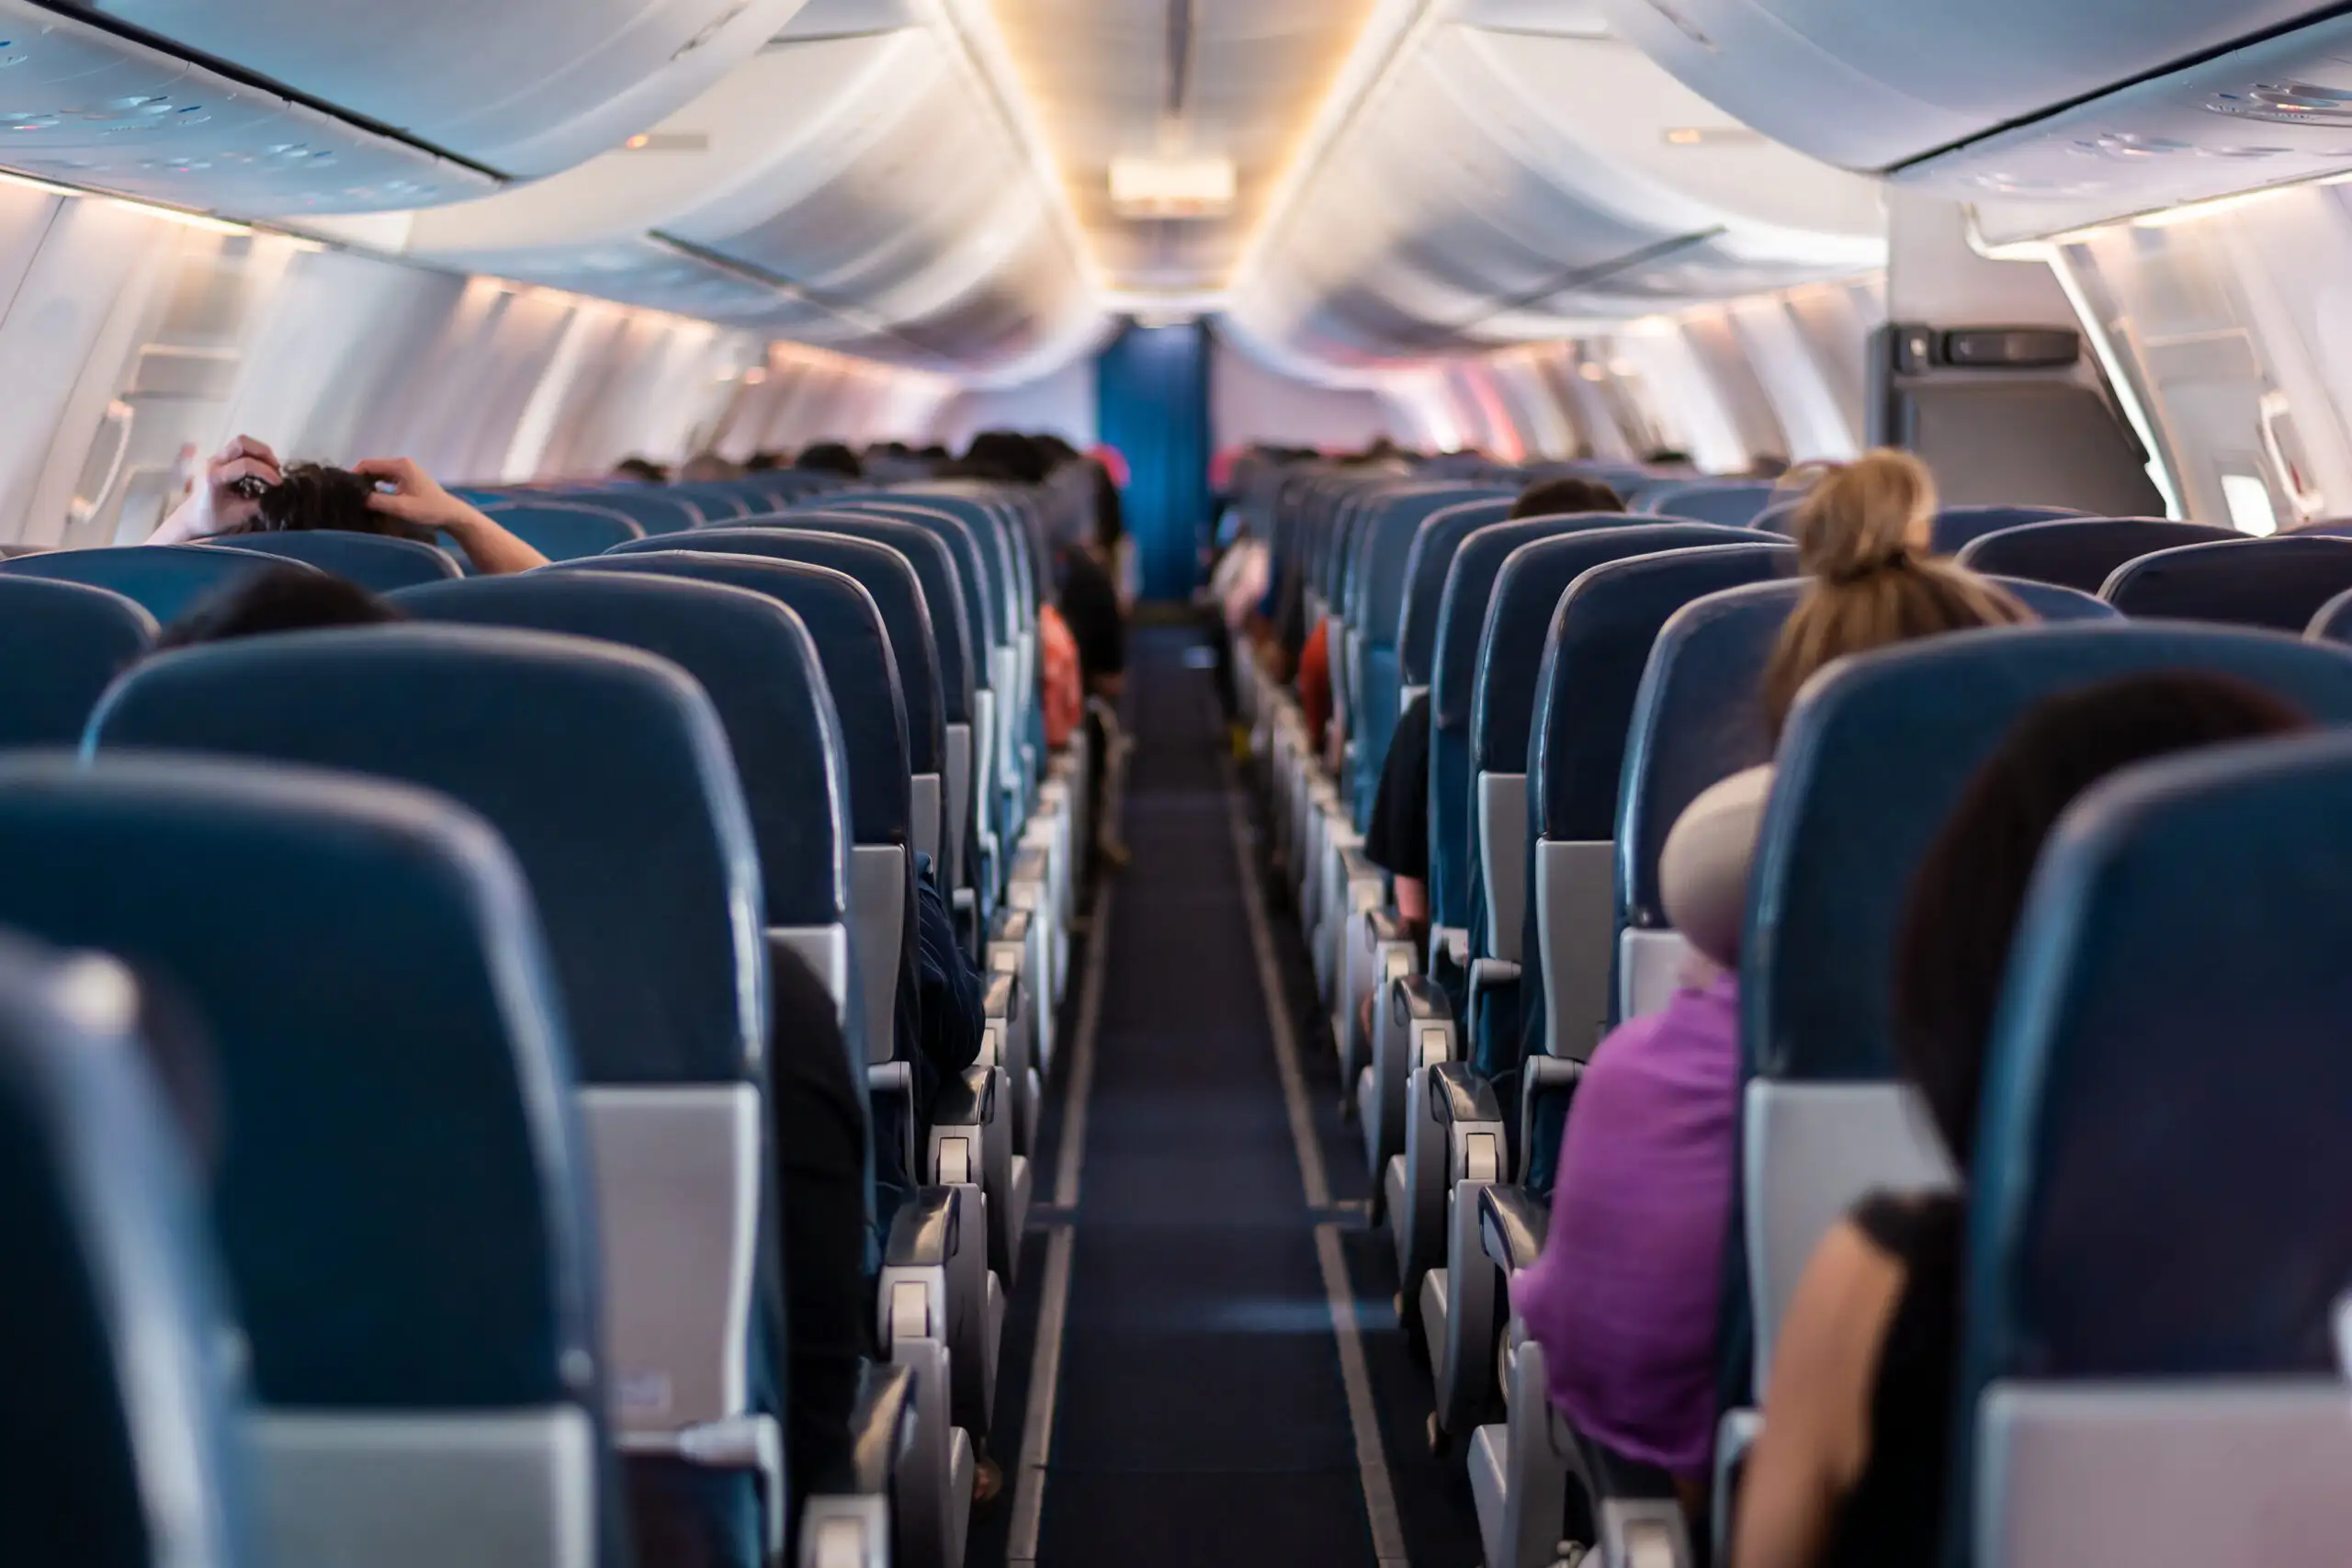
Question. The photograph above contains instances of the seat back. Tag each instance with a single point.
(377, 562)
(1957, 525)
(565, 530)
(855, 649)
(165, 580)
(61, 643)
(2134, 1318)
(1427, 562)
(754, 659)
(890, 579)
(2081, 552)
(651, 507)
(717, 499)
(1734, 503)
(118, 1423)
(1520, 613)
(402, 1196)
(1873, 761)
(1595, 654)
(2278, 582)
(1461, 627)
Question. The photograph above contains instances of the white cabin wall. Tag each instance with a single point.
(1062, 404)
(1249, 402)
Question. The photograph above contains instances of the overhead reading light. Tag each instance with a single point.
(668, 141)
(1172, 187)
(1713, 136)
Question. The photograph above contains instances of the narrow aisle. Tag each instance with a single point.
(1202, 1416)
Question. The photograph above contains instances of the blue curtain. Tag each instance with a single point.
(1152, 400)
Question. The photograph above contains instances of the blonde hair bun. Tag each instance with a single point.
(1869, 515)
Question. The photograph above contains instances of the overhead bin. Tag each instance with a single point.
(86, 107)
(525, 87)
(1868, 85)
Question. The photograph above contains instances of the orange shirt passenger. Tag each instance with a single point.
(1314, 681)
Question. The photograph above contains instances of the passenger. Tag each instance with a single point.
(1623, 1299)
(1399, 839)
(641, 470)
(282, 597)
(1315, 685)
(1060, 683)
(764, 462)
(830, 457)
(708, 467)
(246, 490)
(1850, 1467)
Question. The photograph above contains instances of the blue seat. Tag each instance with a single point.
(717, 501)
(1426, 565)
(855, 649)
(402, 1197)
(889, 579)
(2276, 583)
(121, 1421)
(61, 643)
(564, 530)
(1373, 609)
(1734, 503)
(2146, 1345)
(651, 507)
(377, 562)
(1956, 526)
(1873, 759)
(165, 580)
(2081, 552)
(656, 934)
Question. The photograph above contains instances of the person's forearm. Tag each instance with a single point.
(495, 551)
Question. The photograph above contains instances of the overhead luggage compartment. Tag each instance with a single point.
(524, 87)
(85, 107)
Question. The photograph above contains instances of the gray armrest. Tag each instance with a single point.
(1640, 1516)
(968, 1099)
(1419, 999)
(1734, 1434)
(1512, 1223)
(1001, 999)
(877, 1424)
(1540, 1078)
(922, 1233)
(1458, 1094)
(1029, 865)
(1387, 925)
(1010, 924)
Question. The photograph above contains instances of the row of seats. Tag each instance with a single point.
(1588, 677)
(525, 862)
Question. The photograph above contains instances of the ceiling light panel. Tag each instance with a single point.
(86, 108)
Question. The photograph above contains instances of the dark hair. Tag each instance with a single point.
(1056, 450)
(1110, 511)
(642, 469)
(830, 457)
(1953, 944)
(1548, 497)
(312, 497)
(281, 597)
(1022, 460)
(762, 462)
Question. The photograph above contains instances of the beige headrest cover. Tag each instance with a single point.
(1703, 874)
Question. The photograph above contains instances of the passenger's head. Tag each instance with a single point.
(1015, 456)
(642, 470)
(1767, 466)
(280, 598)
(1862, 537)
(1550, 498)
(1702, 870)
(708, 467)
(762, 462)
(310, 496)
(830, 457)
(1970, 889)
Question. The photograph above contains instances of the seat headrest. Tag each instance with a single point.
(120, 1420)
(649, 507)
(1956, 526)
(1469, 586)
(399, 1198)
(1426, 565)
(1000, 545)
(860, 668)
(943, 591)
(61, 643)
(1735, 503)
(885, 574)
(1702, 872)
(2052, 604)
(377, 562)
(754, 659)
(2276, 583)
(1524, 607)
(1875, 757)
(564, 530)
(2134, 1025)
(2080, 552)
(1594, 657)
(606, 770)
(1374, 588)
(1698, 717)
(166, 581)
(977, 567)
